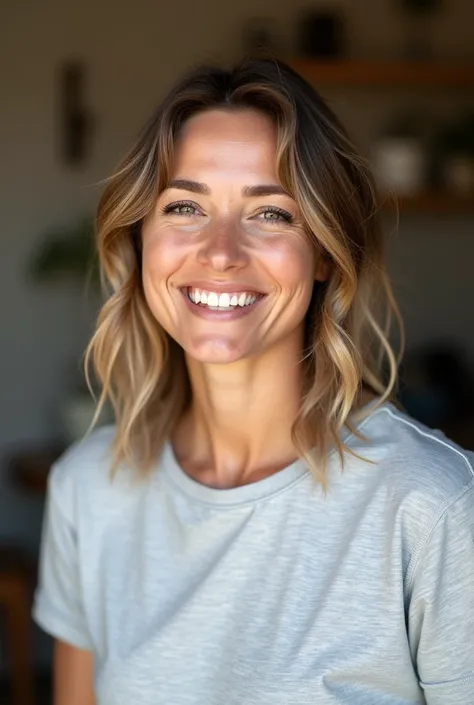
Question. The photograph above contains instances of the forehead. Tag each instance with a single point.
(224, 140)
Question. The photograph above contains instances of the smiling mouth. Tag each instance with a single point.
(216, 301)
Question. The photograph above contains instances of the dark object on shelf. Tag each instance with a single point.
(260, 37)
(457, 136)
(453, 155)
(321, 34)
(418, 12)
(420, 7)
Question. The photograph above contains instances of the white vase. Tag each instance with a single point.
(399, 165)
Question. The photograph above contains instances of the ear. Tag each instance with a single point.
(322, 268)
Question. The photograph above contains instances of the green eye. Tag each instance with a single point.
(275, 215)
(181, 208)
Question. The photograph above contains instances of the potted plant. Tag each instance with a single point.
(66, 253)
(454, 147)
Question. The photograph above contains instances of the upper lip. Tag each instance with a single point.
(222, 288)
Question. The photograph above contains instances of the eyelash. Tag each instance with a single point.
(172, 207)
(179, 204)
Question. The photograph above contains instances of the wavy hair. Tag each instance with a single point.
(142, 371)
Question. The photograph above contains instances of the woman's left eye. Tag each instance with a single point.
(274, 215)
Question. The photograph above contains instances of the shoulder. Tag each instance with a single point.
(417, 483)
(84, 459)
(418, 465)
(82, 475)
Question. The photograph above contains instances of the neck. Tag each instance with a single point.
(238, 427)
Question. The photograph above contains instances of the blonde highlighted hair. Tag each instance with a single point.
(142, 371)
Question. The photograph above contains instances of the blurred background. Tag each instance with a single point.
(78, 79)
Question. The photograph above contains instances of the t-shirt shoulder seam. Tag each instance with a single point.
(445, 685)
(467, 486)
(425, 539)
(432, 437)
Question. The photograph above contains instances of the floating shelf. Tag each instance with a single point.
(435, 202)
(362, 72)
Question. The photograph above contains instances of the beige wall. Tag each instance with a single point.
(133, 51)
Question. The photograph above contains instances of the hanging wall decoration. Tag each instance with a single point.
(76, 120)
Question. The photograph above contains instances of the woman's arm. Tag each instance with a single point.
(441, 610)
(73, 675)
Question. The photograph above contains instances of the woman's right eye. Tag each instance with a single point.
(181, 208)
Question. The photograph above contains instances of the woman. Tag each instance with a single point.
(261, 525)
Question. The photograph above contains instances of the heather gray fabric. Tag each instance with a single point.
(271, 593)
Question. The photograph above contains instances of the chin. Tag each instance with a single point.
(219, 352)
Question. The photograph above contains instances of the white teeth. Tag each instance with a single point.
(220, 302)
(224, 301)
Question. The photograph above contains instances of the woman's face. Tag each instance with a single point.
(228, 270)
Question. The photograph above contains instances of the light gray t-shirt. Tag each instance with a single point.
(270, 593)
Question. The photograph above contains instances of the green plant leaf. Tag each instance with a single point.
(66, 253)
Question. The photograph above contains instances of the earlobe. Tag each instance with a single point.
(323, 269)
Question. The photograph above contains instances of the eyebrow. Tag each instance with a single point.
(249, 191)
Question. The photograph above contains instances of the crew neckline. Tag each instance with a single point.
(253, 491)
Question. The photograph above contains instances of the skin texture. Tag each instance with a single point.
(244, 372)
(73, 676)
(225, 237)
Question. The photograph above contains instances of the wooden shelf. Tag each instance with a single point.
(362, 72)
(433, 203)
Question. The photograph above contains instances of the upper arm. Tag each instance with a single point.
(73, 675)
(59, 606)
(59, 600)
(441, 609)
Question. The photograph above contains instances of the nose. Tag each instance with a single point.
(222, 248)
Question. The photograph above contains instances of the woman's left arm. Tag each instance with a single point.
(441, 608)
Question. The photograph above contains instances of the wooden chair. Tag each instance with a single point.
(16, 579)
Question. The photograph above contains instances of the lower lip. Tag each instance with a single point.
(210, 315)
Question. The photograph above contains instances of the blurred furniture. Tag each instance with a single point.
(16, 580)
(29, 470)
(29, 474)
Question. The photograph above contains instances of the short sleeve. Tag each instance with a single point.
(58, 606)
(441, 609)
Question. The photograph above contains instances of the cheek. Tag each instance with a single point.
(162, 253)
(292, 265)
(160, 260)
